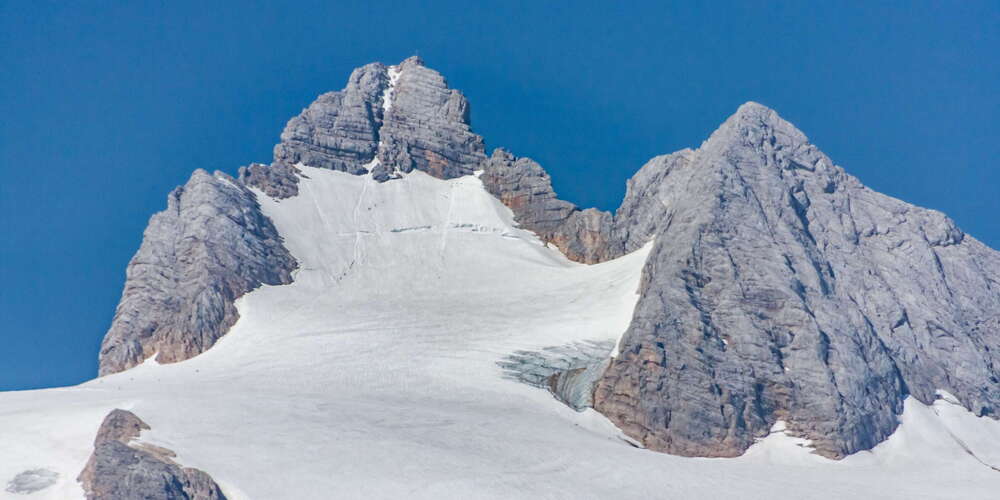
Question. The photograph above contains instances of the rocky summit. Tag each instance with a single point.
(387, 294)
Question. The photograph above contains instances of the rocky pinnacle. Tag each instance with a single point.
(387, 120)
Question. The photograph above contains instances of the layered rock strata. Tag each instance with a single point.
(210, 246)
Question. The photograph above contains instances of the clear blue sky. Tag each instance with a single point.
(106, 106)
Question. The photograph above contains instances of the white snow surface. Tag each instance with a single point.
(374, 375)
(393, 72)
(387, 95)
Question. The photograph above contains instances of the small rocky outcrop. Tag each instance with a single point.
(339, 130)
(524, 187)
(210, 246)
(278, 180)
(120, 469)
(781, 288)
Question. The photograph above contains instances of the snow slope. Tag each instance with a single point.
(375, 375)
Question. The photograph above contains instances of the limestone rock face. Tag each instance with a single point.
(426, 125)
(119, 470)
(339, 130)
(210, 246)
(641, 214)
(780, 288)
(388, 119)
(524, 187)
(277, 180)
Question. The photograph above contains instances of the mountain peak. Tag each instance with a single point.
(387, 120)
(753, 125)
(413, 60)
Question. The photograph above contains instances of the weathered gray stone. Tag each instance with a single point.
(31, 481)
(120, 470)
(409, 120)
(780, 288)
(524, 187)
(277, 180)
(210, 246)
(647, 195)
(427, 126)
(339, 130)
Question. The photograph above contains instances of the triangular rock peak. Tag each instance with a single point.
(778, 288)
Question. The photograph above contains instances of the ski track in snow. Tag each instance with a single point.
(375, 375)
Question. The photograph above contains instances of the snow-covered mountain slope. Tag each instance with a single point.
(375, 374)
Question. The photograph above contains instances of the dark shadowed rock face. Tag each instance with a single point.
(118, 470)
(210, 246)
(524, 187)
(780, 288)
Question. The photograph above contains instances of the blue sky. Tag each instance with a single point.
(109, 105)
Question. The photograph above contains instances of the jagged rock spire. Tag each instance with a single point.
(387, 119)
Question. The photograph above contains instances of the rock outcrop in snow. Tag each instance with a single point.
(780, 288)
(121, 470)
(524, 187)
(210, 246)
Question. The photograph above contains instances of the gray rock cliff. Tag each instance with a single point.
(120, 469)
(387, 120)
(426, 126)
(524, 187)
(780, 288)
(210, 246)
